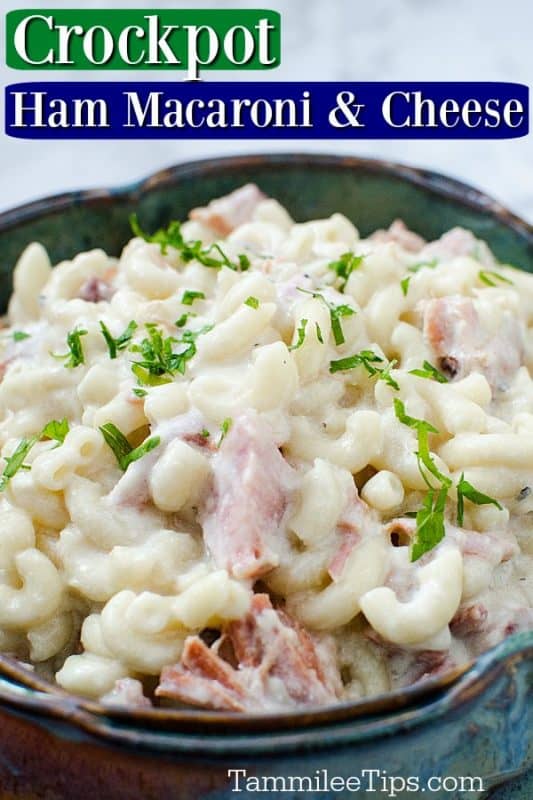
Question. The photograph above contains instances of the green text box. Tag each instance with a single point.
(112, 38)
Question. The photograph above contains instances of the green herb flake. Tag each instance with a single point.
(319, 333)
(190, 296)
(139, 392)
(430, 372)
(75, 356)
(159, 361)
(224, 430)
(411, 422)
(423, 264)
(404, 283)
(243, 262)
(122, 450)
(56, 430)
(430, 526)
(19, 336)
(465, 489)
(205, 433)
(414, 268)
(15, 461)
(253, 302)
(171, 236)
(335, 314)
(430, 523)
(120, 342)
(182, 321)
(368, 360)
(300, 335)
(425, 460)
(146, 378)
(491, 278)
(344, 266)
(384, 375)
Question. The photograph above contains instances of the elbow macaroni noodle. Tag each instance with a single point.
(104, 570)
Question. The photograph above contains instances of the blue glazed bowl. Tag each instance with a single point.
(459, 735)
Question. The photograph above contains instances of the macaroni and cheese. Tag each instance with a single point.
(259, 464)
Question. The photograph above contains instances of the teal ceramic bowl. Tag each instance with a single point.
(459, 736)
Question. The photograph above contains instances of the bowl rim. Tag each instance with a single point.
(221, 733)
(432, 181)
(401, 701)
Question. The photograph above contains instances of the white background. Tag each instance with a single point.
(321, 40)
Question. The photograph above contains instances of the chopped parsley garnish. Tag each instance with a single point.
(344, 266)
(430, 529)
(411, 422)
(139, 392)
(430, 372)
(19, 336)
(205, 433)
(253, 302)
(244, 262)
(55, 430)
(404, 283)
(159, 361)
(156, 350)
(368, 360)
(147, 378)
(15, 461)
(182, 321)
(335, 314)
(165, 238)
(190, 296)
(189, 251)
(120, 342)
(421, 264)
(300, 335)
(75, 356)
(319, 333)
(430, 517)
(122, 449)
(224, 429)
(491, 278)
(465, 489)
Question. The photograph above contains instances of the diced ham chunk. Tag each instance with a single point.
(458, 242)
(94, 290)
(243, 515)
(127, 692)
(469, 619)
(462, 344)
(3, 368)
(132, 489)
(406, 666)
(355, 522)
(202, 678)
(226, 213)
(278, 664)
(429, 664)
(500, 623)
(400, 234)
(492, 547)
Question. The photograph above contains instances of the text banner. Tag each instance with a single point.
(192, 110)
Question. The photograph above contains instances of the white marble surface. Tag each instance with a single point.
(322, 40)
